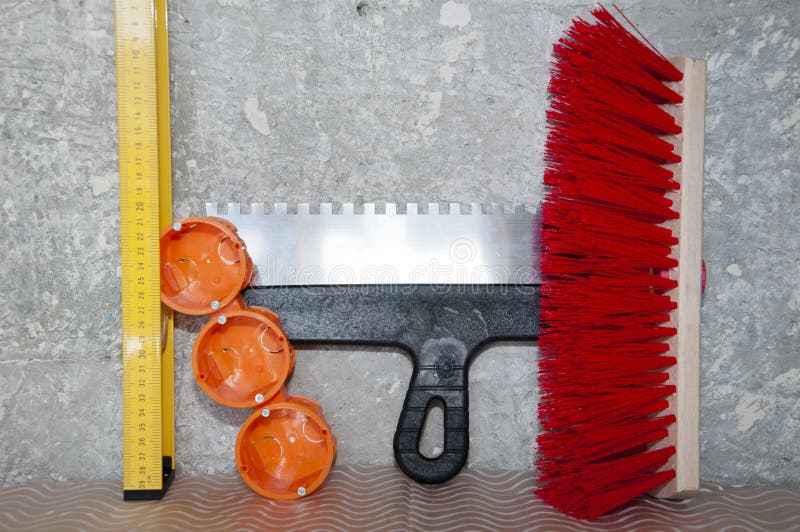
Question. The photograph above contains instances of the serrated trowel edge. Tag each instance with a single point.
(389, 209)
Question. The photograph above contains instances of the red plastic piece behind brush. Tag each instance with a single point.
(604, 356)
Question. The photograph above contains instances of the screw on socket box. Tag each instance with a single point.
(439, 285)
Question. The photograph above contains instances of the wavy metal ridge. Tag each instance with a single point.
(380, 498)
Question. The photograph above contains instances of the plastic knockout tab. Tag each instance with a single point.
(242, 358)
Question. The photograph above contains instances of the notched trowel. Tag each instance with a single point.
(438, 285)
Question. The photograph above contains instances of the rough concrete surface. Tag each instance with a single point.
(395, 101)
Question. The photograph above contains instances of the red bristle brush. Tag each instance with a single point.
(621, 237)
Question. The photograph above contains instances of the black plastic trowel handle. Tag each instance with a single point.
(441, 327)
(441, 376)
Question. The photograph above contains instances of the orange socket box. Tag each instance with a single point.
(242, 358)
(285, 449)
(204, 265)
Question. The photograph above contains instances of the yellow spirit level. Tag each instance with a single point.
(145, 207)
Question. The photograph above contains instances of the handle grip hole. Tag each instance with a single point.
(431, 440)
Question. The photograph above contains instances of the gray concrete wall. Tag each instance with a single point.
(406, 101)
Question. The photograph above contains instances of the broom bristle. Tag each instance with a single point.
(603, 303)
